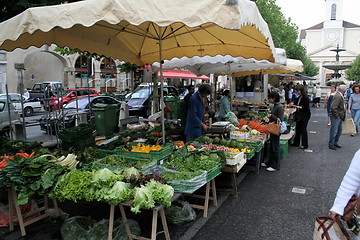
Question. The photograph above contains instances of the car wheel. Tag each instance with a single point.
(28, 111)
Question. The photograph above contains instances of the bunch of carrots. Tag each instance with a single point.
(254, 124)
(4, 161)
(5, 158)
(25, 155)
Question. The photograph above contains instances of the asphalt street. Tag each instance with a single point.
(284, 204)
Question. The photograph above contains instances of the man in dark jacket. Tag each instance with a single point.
(195, 114)
(337, 115)
(187, 97)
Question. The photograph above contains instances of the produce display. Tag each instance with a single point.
(112, 161)
(112, 187)
(30, 177)
(142, 148)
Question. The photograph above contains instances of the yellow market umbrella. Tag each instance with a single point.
(145, 31)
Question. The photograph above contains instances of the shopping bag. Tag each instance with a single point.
(283, 127)
(274, 128)
(348, 127)
(327, 228)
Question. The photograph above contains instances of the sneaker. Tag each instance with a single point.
(329, 124)
(337, 145)
(332, 148)
(352, 135)
(263, 165)
(270, 169)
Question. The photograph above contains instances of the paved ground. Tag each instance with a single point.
(268, 209)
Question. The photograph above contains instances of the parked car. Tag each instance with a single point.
(68, 95)
(4, 117)
(30, 105)
(38, 90)
(140, 99)
(67, 116)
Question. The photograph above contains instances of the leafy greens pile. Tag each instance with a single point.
(30, 177)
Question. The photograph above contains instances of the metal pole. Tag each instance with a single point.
(9, 112)
(162, 90)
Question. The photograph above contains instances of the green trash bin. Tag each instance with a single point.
(105, 118)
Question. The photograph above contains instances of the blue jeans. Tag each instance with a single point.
(335, 131)
(355, 114)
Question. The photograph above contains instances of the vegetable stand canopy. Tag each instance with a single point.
(133, 31)
(237, 66)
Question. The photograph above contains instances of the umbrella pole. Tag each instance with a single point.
(162, 92)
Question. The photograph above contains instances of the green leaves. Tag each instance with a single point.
(353, 73)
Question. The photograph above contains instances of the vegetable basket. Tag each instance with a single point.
(145, 164)
(166, 151)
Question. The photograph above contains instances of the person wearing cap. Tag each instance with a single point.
(195, 114)
(337, 115)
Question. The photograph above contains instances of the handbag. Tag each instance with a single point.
(351, 212)
(348, 126)
(274, 128)
(327, 228)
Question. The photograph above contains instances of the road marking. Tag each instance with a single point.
(309, 150)
(315, 121)
(298, 190)
(312, 132)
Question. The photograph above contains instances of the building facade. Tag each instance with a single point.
(327, 35)
(44, 64)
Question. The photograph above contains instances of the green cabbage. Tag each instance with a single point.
(119, 193)
(131, 174)
(143, 198)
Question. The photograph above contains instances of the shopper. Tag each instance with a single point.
(26, 94)
(224, 104)
(328, 100)
(337, 115)
(282, 94)
(290, 93)
(313, 94)
(354, 106)
(191, 90)
(349, 186)
(195, 114)
(277, 113)
(316, 102)
(302, 117)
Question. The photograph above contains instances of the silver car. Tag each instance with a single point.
(4, 117)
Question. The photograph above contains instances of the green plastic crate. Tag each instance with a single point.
(214, 172)
(191, 185)
(166, 151)
(79, 132)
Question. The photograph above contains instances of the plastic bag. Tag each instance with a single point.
(85, 228)
(180, 213)
(231, 117)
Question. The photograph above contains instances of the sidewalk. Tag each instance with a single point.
(284, 204)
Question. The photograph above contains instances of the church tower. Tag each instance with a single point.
(333, 31)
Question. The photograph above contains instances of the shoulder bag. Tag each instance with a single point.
(327, 228)
(274, 128)
(348, 127)
(351, 211)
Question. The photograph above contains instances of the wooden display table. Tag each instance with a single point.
(156, 211)
(20, 217)
(233, 170)
(206, 197)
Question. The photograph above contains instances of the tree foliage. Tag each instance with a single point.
(285, 34)
(353, 73)
(68, 51)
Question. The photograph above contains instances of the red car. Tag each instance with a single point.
(55, 103)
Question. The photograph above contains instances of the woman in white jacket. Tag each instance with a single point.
(349, 186)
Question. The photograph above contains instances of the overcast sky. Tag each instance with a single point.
(307, 13)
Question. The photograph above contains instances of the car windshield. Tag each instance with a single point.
(82, 103)
(141, 92)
